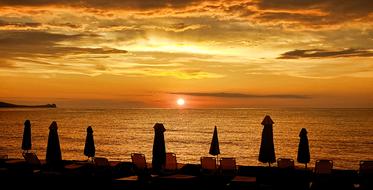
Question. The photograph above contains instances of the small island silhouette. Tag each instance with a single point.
(9, 105)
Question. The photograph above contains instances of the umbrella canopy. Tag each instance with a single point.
(53, 156)
(214, 147)
(26, 140)
(303, 148)
(159, 148)
(89, 147)
(267, 148)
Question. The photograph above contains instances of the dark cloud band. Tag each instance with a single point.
(319, 53)
(240, 95)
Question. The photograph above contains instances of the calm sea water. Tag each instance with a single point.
(342, 135)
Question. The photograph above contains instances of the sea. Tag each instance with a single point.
(342, 135)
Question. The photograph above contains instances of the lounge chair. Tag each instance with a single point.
(172, 177)
(285, 163)
(366, 167)
(3, 156)
(322, 175)
(228, 168)
(208, 165)
(141, 167)
(139, 161)
(323, 167)
(171, 163)
(366, 174)
(101, 162)
(32, 159)
(142, 174)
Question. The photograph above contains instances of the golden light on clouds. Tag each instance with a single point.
(225, 53)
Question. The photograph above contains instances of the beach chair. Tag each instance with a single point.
(208, 165)
(141, 167)
(32, 159)
(102, 167)
(172, 177)
(101, 162)
(322, 175)
(366, 167)
(171, 163)
(323, 167)
(228, 166)
(139, 161)
(285, 163)
(3, 157)
(366, 174)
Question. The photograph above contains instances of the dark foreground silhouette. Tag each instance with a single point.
(18, 174)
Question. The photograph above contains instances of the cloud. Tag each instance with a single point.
(358, 7)
(19, 25)
(43, 44)
(240, 95)
(319, 53)
(104, 4)
(184, 74)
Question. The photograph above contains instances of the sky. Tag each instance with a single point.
(214, 54)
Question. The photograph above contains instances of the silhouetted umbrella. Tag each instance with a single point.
(89, 147)
(159, 148)
(267, 148)
(26, 140)
(214, 147)
(53, 157)
(303, 148)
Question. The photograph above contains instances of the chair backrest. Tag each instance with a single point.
(227, 164)
(285, 163)
(3, 156)
(171, 162)
(208, 163)
(101, 162)
(366, 167)
(323, 166)
(139, 161)
(32, 159)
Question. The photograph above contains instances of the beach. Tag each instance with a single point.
(16, 174)
(341, 135)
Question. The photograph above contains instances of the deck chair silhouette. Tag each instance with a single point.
(208, 165)
(285, 163)
(323, 167)
(32, 159)
(139, 161)
(102, 167)
(171, 162)
(3, 157)
(141, 167)
(366, 167)
(228, 167)
(101, 162)
(172, 176)
(366, 174)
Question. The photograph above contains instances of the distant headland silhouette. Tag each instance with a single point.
(9, 105)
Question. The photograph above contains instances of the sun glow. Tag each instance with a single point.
(180, 102)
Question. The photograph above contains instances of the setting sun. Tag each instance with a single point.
(180, 102)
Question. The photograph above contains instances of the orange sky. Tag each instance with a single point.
(130, 54)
